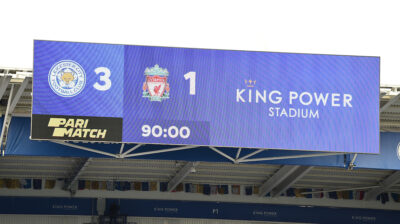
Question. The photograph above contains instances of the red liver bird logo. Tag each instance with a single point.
(157, 89)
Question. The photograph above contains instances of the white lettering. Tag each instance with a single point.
(347, 100)
(292, 96)
(239, 95)
(293, 113)
(302, 98)
(263, 97)
(277, 99)
(271, 112)
(249, 95)
(320, 97)
(283, 112)
(335, 99)
(314, 114)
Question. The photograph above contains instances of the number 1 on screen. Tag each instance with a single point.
(192, 82)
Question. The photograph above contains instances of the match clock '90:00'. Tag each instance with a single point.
(167, 132)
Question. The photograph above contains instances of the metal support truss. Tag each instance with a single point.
(389, 103)
(129, 150)
(352, 163)
(19, 93)
(4, 80)
(122, 148)
(250, 155)
(387, 183)
(70, 184)
(85, 148)
(238, 153)
(14, 96)
(290, 180)
(6, 123)
(223, 154)
(125, 154)
(276, 179)
(160, 151)
(181, 175)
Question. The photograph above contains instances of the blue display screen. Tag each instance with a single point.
(226, 98)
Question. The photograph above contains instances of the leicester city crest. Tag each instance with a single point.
(156, 87)
(67, 78)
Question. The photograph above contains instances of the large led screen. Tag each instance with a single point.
(226, 98)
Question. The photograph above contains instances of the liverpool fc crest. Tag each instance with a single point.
(156, 87)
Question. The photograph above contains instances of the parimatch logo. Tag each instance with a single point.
(75, 128)
(85, 128)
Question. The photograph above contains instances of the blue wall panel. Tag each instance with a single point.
(18, 143)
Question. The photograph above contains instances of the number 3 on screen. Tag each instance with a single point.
(105, 78)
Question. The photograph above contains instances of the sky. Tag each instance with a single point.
(351, 27)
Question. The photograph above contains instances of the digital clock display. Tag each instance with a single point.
(177, 132)
(170, 132)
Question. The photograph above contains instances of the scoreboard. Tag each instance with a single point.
(166, 95)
